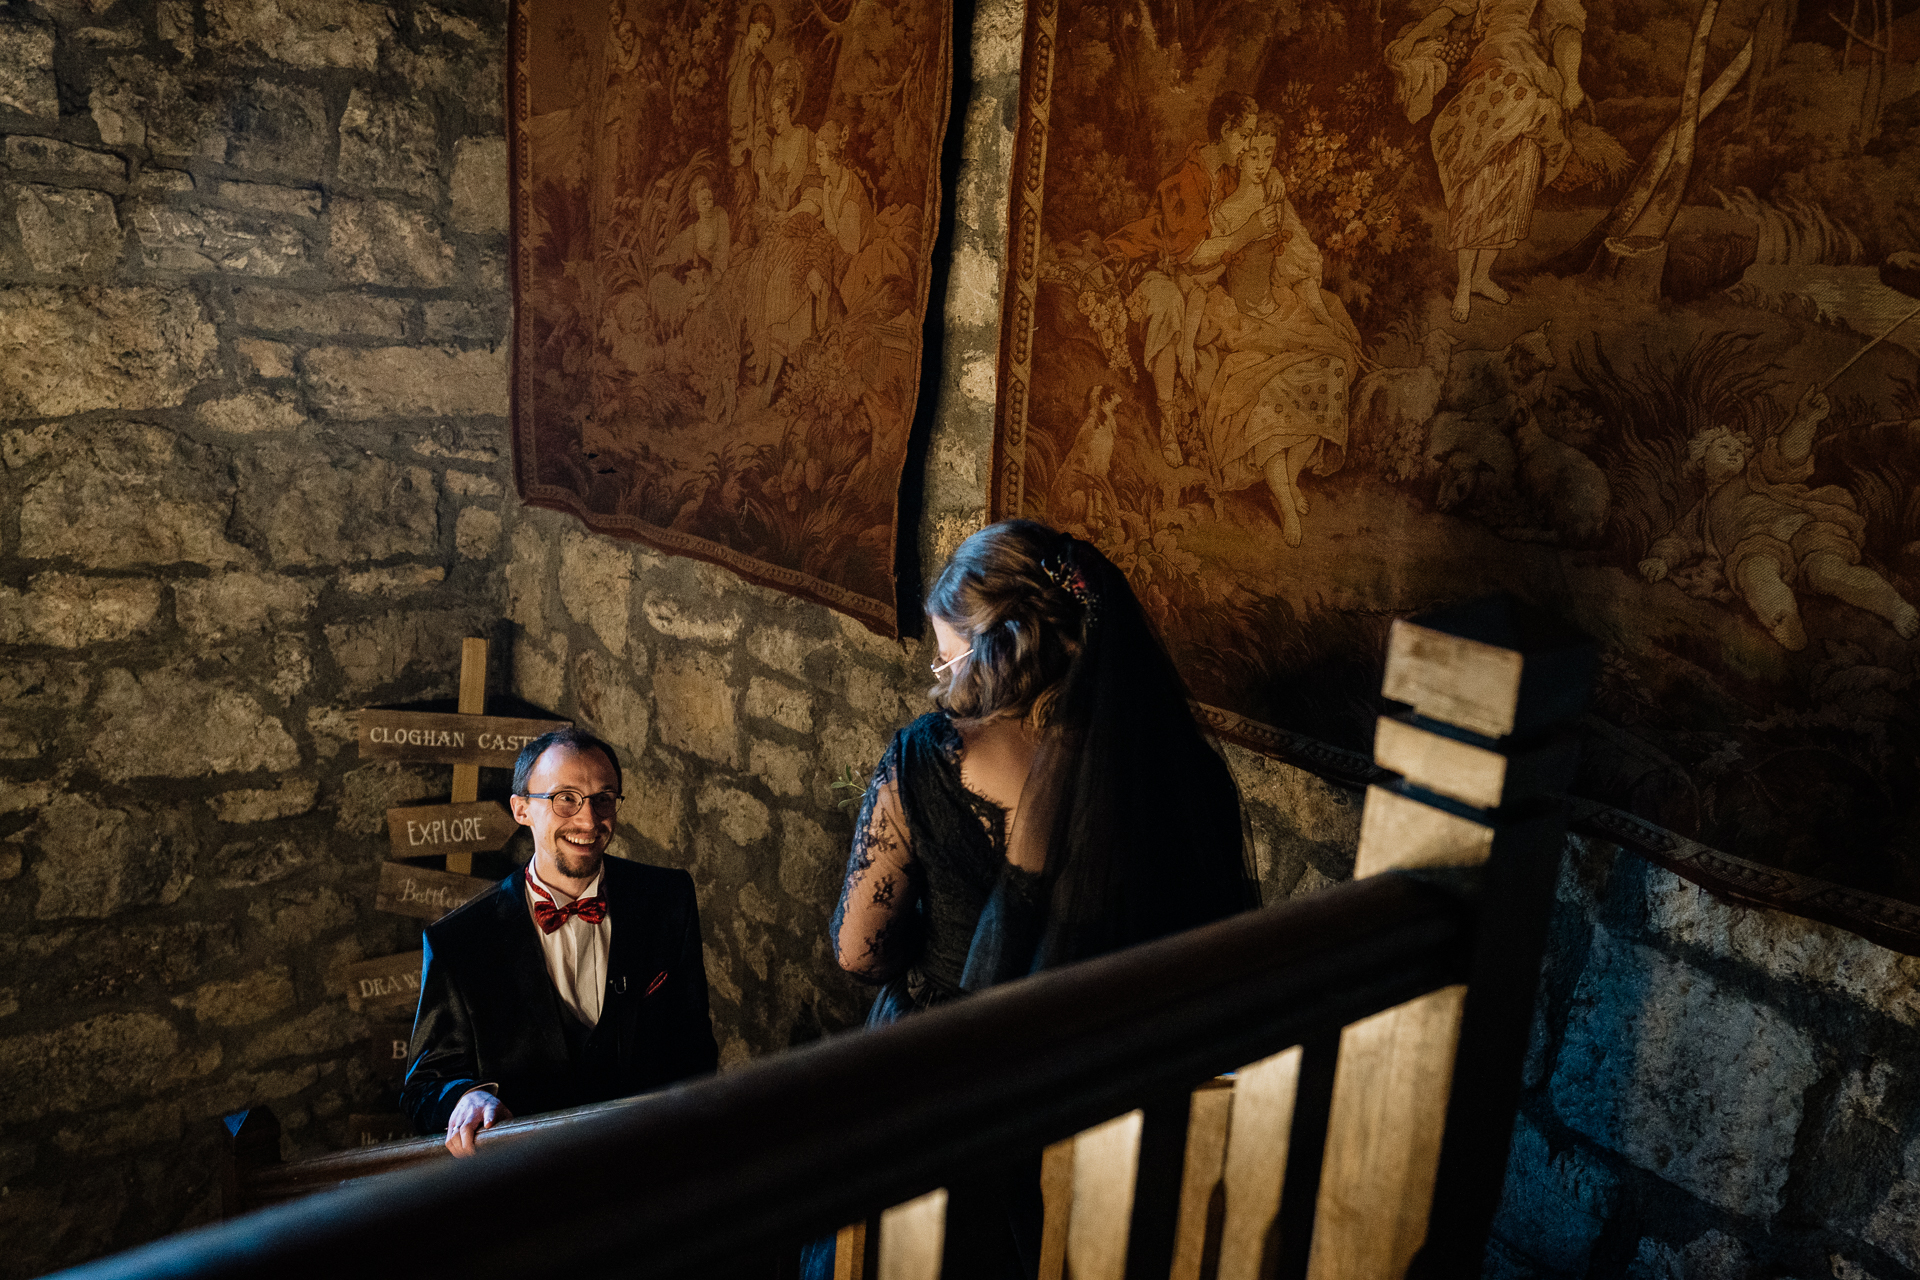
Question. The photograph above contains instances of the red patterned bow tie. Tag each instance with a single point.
(550, 917)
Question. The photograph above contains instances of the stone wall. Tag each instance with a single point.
(253, 475)
(1713, 1092)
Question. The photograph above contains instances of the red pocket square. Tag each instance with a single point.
(654, 986)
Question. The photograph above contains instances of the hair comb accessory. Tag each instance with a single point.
(1067, 576)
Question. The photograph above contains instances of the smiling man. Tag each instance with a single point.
(577, 979)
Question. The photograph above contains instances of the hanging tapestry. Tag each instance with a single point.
(723, 217)
(1318, 315)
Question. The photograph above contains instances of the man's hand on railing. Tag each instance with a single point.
(477, 1109)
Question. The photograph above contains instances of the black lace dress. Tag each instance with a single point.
(928, 857)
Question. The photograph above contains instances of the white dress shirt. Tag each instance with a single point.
(576, 952)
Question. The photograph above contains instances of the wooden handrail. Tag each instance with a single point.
(679, 1182)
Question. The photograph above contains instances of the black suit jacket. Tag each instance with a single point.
(489, 1012)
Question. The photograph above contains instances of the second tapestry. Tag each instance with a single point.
(1323, 313)
(724, 216)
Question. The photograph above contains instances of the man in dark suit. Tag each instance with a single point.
(576, 979)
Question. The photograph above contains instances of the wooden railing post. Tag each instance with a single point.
(1484, 747)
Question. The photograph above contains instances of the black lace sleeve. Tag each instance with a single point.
(875, 927)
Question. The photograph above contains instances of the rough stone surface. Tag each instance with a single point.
(29, 157)
(276, 128)
(284, 311)
(1649, 1042)
(266, 197)
(94, 861)
(380, 382)
(240, 1002)
(596, 582)
(66, 351)
(697, 708)
(67, 611)
(384, 652)
(480, 185)
(129, 495)
(92, 1062)
(254, 805)
(309, 34)
(26, 67)
(251, 413)
(372, 789)
(314, 507)
(389, 143)
(377, 242)
(170, 723)
(233, 604)
(67, 232)
(780, 703)
(218, 240)
(476, 533)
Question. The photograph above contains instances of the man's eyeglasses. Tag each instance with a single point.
(567, 803)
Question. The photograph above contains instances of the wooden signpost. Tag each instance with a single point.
(419, 891)
(388, 985)
(469, 740)
(387, 1050)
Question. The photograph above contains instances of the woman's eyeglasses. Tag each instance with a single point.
(939, 667)
(567, 803)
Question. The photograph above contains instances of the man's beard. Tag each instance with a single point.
(578, 866)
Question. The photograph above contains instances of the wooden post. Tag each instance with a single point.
(1484, 747)
(473, 702)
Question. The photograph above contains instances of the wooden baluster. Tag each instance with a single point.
(1484, 749)
(473, 702)
(1056, 1194)
(1202, 1190)
(1158, 1173)
(1257, 1142)
(912, 1236)
(1105, 1160)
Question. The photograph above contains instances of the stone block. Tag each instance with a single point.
(170, 723)
(242, 1001)
(135, 102)
(293, 797)
(1699, 1085)
(466, 484)
(26, 67)
(743, 819)
(473, 78)
(34, 157)
(476, 533)
(783, 650)
(812, 861)
(173, 20)
(91, 1063)
(94, 861)
(783, 769)
(24, 448)
(370, 790)
(455, 321)
(1786, 947)
(68, 351)
(655, 806)
(390, 142)
(238, 604)
(783, 704)
(251, 412)
(67, 230)
(1553, 1206)
(268, 198)
(1895, 1222)
(70, 611)
(358, 383)
(696, 708)
(617, 712)
(309, 34)
(276, 128)
(285, 311)
(269, 359)
(378, 242)
(694, 620)
(210, 239)
(540, 673)
(527, 575)
(596, 581)
(394, 580)
(328, 1029)
(420, 648)
(480, 185)
(319, 508)
(126, 495)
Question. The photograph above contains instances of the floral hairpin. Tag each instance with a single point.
(1068, 577)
